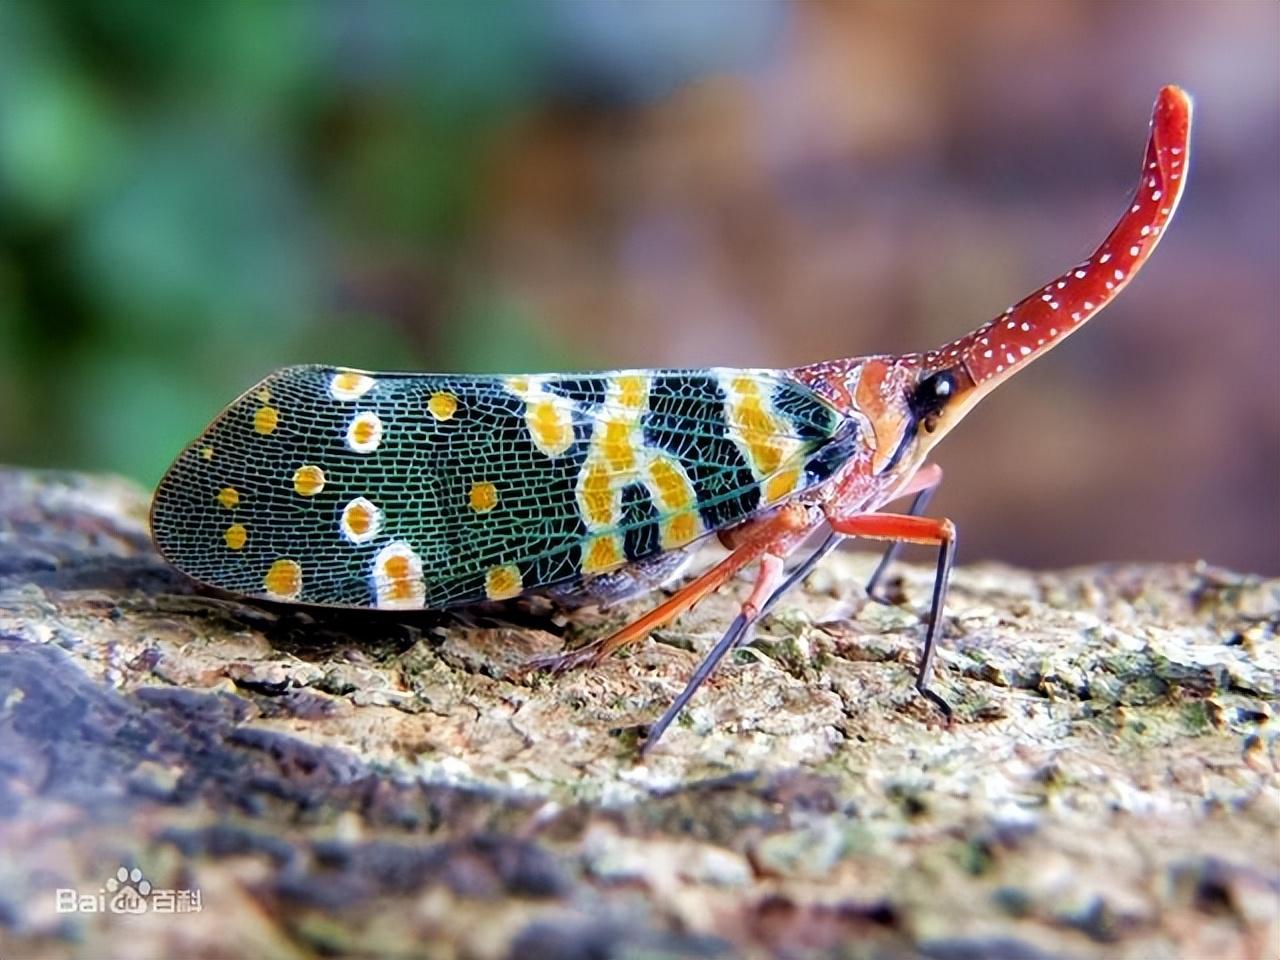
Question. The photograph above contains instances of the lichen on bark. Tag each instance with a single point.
(387, 786)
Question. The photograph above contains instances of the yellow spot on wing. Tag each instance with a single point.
(669, 485)
(265, 420)
(361, 520)
(760, 433)
(264, 395)
(349, 385)
(229, 497)
(781, 484)
(401, 591)
(358, 519)
(503, 583)
(206, 453)
(397, 578)
(674, 495)
(632, 391)
(680, 530)
(484, 497)
(308, 480)
(759, 430)
(284, 580)
(442, 405)
(365, 432)
(551, 425)
(603, 553)
(617, 445)
(236, 536)
(595, 495)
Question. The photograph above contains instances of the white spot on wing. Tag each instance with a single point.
(360, 507)
(349, 385)
(364, 433)
(397, 578)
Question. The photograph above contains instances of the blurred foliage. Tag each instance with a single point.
(189, 197)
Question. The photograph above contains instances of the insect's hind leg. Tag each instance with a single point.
(740, 631)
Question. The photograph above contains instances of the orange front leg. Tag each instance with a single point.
(777, 534)
(903, 528)
(924, 485)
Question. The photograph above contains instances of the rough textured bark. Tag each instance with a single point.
(377, 786)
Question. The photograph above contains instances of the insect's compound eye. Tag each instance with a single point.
(931, 396)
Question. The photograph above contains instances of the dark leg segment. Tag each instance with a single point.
(903, 528)
(942, 579)
(738, 634)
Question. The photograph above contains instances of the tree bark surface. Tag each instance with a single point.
(384, 785)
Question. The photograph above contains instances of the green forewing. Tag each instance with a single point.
(327, 486)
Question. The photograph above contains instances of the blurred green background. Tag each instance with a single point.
(193, 194)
